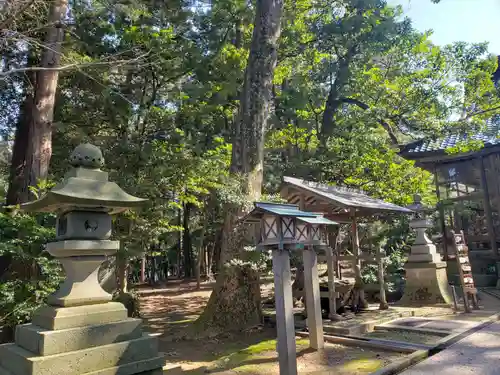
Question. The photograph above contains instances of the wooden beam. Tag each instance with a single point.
(380, 260)
(340, 218)
(355, 247)
(487, 209)
(332, 295)
(442, 221)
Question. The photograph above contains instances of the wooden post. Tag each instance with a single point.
(380, 261)
(355, 246)
(487, 209)
(332, 293)
(441, 215)
(455, 299)
(489, 218)
(357, 261)
(285, 323)
(313, 299)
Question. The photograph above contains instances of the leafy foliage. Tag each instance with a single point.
(33, 274)
(157, 86)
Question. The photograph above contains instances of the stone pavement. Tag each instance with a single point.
(477, 354)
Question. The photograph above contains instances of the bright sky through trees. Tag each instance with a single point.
(470, 21)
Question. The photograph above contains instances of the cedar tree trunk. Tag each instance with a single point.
(235, 301)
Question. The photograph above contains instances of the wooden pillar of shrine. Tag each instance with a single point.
(357, 259)
(487, 209)
(312, 293)
(442, 220)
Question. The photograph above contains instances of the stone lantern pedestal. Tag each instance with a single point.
(426, 278)
(81, 331)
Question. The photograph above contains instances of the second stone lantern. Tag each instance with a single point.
(82, 331)
(426, 278)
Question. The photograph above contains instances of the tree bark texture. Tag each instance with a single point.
(187, 247)
(39, 148)
(235, 301)
(17, 192)
(121, 273)
(201, 253)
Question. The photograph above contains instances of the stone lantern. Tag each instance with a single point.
(283, 227)
(81, 331)
(426, 278)
(423, 250)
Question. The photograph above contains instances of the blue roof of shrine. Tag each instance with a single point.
(289, 210)
(283, 209)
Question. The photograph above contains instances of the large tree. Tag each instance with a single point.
(235, 301)
(33, 140)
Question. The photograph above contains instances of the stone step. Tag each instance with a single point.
(131, 357)
(45, 342)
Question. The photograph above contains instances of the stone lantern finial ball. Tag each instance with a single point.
(87, 156)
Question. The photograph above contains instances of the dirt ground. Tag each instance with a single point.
(170, 310)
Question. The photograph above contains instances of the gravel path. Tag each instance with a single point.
(477, 354)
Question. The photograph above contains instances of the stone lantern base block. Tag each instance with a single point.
(81, 340)
(124, 358)
(45, 342)
(426, 284)
(55, 318)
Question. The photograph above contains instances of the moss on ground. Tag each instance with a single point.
(254, 352)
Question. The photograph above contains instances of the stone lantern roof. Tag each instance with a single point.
(85, 186)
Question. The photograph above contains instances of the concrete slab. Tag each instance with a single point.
(411, 322)
(478, 354)
(390, 327)
(450, 325)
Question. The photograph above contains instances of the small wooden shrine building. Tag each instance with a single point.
(468, 191)
(342, 205)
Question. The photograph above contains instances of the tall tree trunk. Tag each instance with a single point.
(235, 301)
(17, 192)
(179, 244)
(39, 148)
(121, 273)
(210, 261)
(187, 246)
(201, 254)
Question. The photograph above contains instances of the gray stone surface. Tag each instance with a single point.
(99, 359)
(51, 317)
(477, 354)
(42, 341)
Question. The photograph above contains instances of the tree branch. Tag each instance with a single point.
(382, 122)
(67, 67)
(12, 18)
(482, 112)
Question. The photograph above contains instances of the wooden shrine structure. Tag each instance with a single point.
(342, 205)
(468, 191)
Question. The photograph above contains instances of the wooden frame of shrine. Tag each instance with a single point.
(467, 186)
(283, 228)
(342, 205)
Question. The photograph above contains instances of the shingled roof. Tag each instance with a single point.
(336, 198)
(490, 136)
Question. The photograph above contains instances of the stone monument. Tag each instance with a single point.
(82, 331)
(426, 279)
